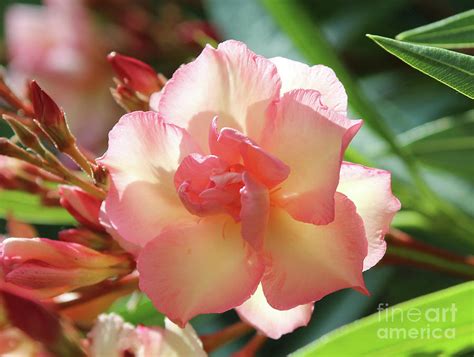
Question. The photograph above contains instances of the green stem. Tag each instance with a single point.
(79, 158)
(56, 167)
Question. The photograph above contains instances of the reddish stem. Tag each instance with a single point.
(403, 249)
(252, 347)
(215, 340)
(127, 284)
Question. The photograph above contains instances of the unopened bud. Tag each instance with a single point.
(48, 268)
(82, 206)
(128, 99)
(85, 237)
(26, 136)
(135, 74)
(8, 182)
(50, 117)
(47, 333)
(28, 184)
(100, 174)
(7, 148)
(13, 177)
(49, 198)
(42, 174)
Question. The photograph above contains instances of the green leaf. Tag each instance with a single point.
(28, 208)
(456, 70)
(453, 32)
(137, 309)
(445, 318)
(446, 143)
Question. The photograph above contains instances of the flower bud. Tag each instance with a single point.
(128, 99)
(34, 327)
(82, 206)
(48, 268)
(9, 168)
(9, 149)
(100, 174)
(85, 237)
(28, 138)
(51, 117)
(135, 74)
(13, 176)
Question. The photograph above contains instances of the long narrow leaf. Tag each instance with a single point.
(28, 208)
(456, 70)
(453, 32)
(438, 324)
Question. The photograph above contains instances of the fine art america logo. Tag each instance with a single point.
(416, 323)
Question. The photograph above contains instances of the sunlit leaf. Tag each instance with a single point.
(456, 70)
(453, 32)
(445, 318)
(137, 309)
(27, 208)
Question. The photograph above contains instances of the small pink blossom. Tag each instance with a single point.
(112, 336)
(234, 194)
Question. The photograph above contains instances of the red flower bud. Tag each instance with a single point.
(85, 237)
(82, 206)
(38, 321)
(50, 116)
(48, 268)
(135, 74)
(35, 327)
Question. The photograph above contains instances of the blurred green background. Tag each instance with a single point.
(429, 122)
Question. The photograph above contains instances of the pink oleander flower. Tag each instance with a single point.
(48, 268)
(112, 336)
(57, 45)
(234, 193)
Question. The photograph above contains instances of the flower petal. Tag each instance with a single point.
(308, 262)
(271, 322)
(230, 144)
(199, 268)
(143, 155)
(255, 201)
(111, 335)
(370, 190)
(297, 75)
(311, 140)
(130, 247)
(181, 341)
(230, 81)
